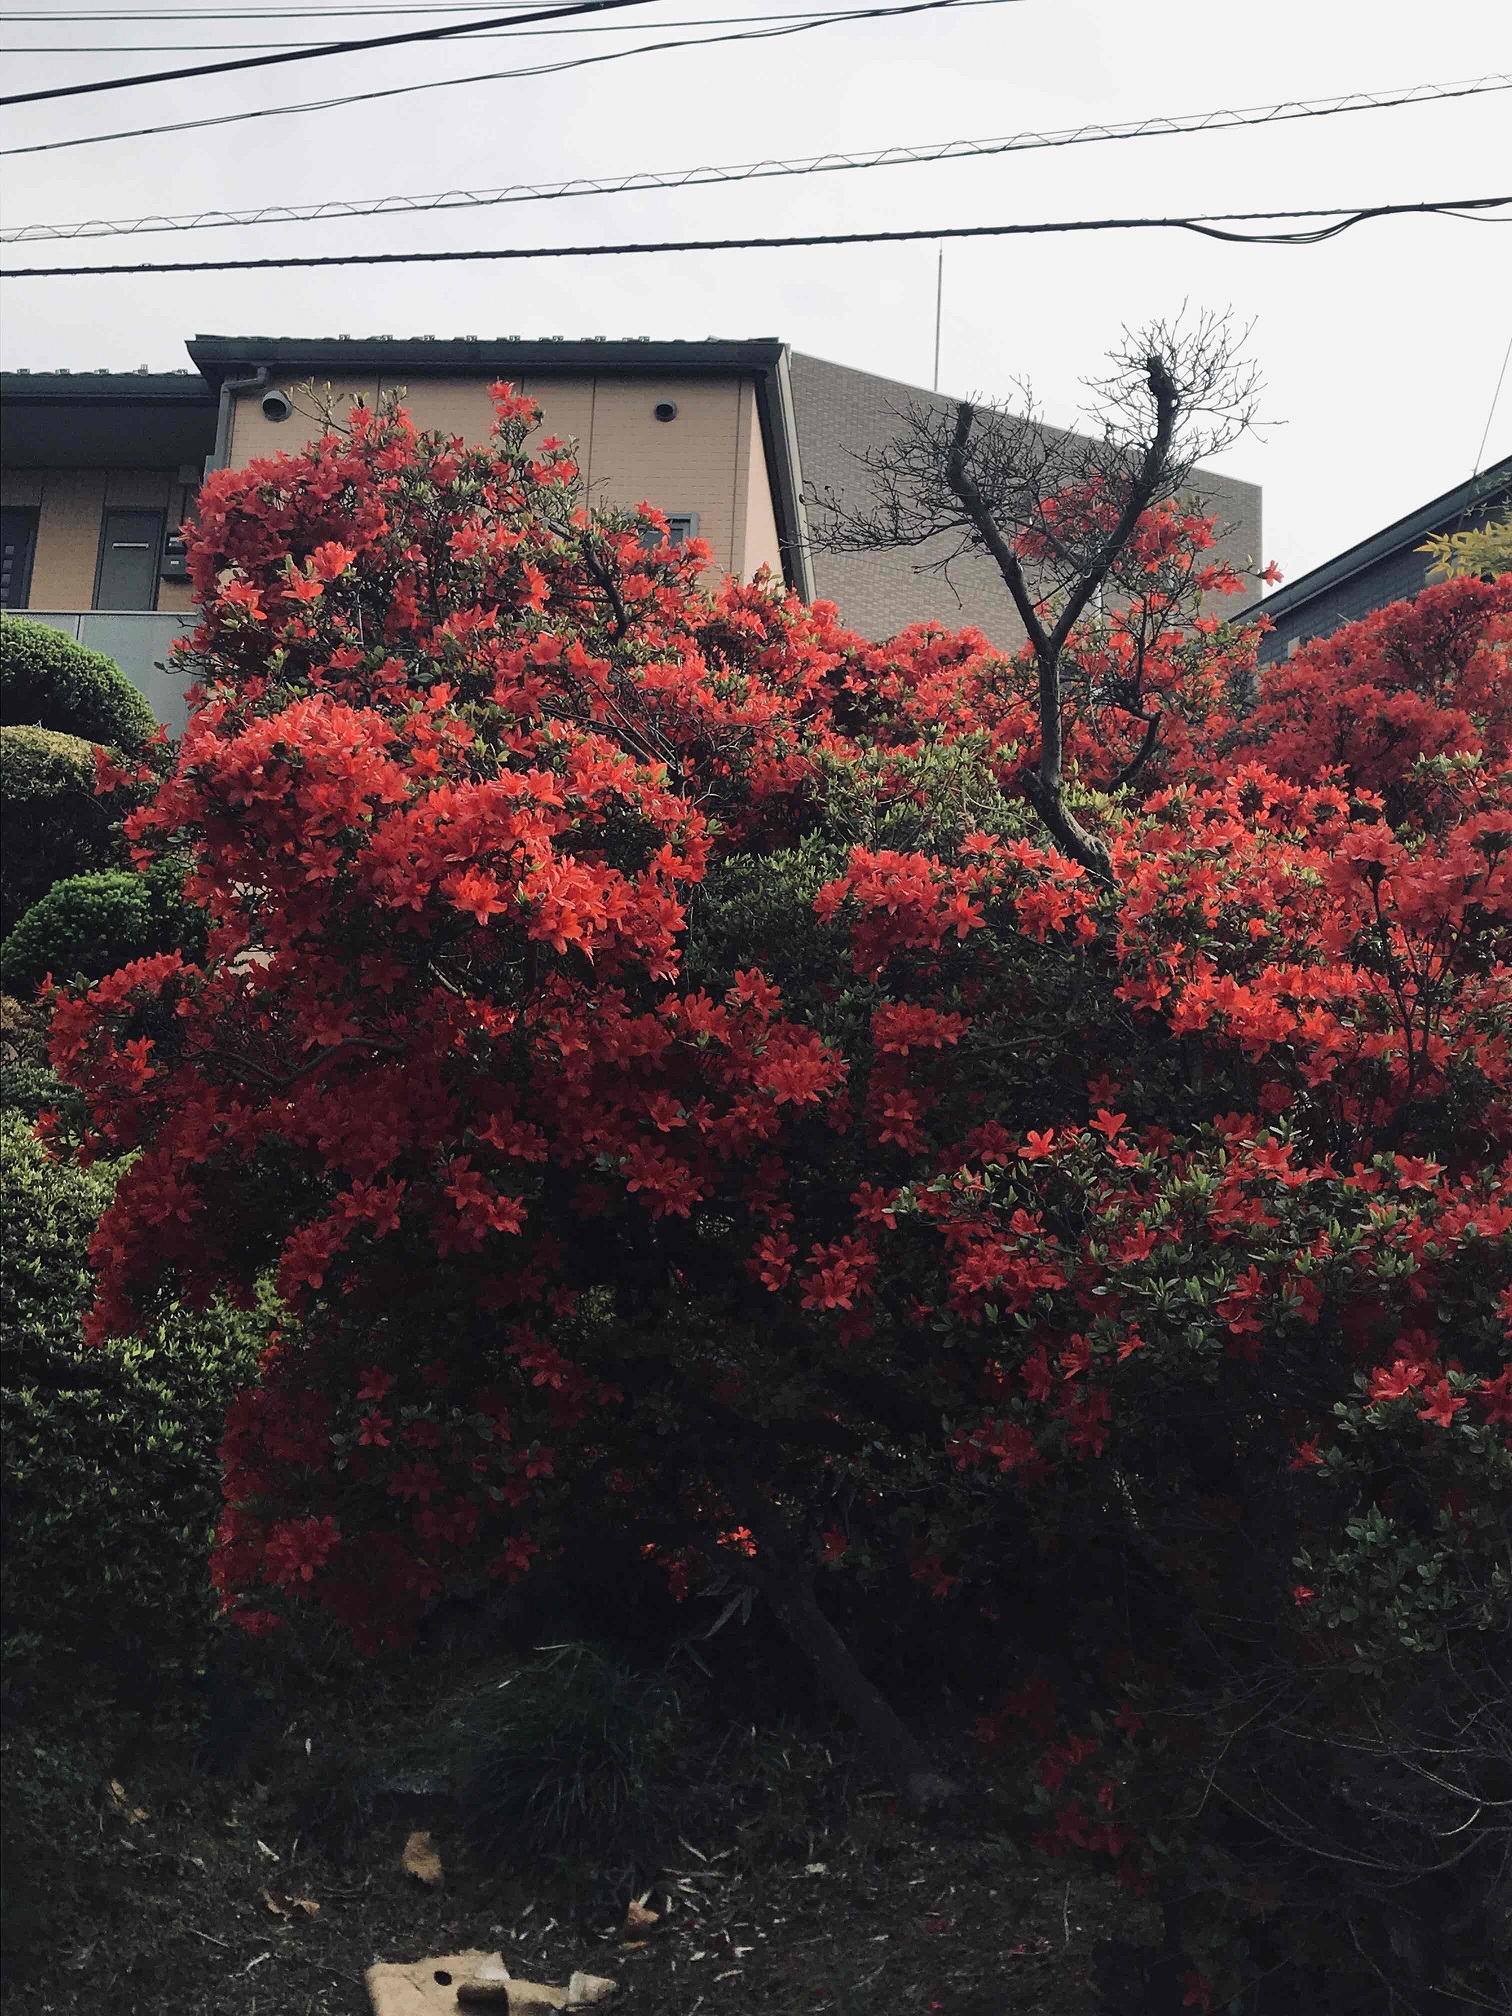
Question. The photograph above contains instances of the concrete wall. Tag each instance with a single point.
(71, 504)
(709, 459)
(840, 414)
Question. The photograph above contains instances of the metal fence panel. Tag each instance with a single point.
(139, 641)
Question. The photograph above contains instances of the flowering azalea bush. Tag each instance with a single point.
(1412, 680)
(673, 1076)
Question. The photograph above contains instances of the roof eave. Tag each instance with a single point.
(1439, 514)
(89, 389)
(219, 357)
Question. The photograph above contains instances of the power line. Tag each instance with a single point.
(1491, 415)
(255, 13)
(497, 76)
(1207, 226)
(474, 31)
(750, 171)
(358, 47)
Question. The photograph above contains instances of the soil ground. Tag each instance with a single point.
(792, 1886)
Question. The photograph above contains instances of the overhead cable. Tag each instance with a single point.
(134, 14)
(475, 32)
(497, 76)
(1472, 209)
(404, 38)
(1480, 453)
(752, 171)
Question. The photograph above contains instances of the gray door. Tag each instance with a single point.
(129, 550)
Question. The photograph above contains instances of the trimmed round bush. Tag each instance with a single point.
(91, 924)
(51, 822)
(48, 680)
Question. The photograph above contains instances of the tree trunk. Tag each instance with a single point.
(788, 1586)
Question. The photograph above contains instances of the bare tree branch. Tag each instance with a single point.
(1055, 512)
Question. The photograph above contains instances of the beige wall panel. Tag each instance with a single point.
(68, 539)
(252, 434)
(462, 406)
(152, 489)
(843, 413)
(21, 487)
(567, 411)
(709, 459)
(455, 405)
(174, 596)
(686, 464)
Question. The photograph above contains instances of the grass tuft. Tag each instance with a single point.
(561, 1758)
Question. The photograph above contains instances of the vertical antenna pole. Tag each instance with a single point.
(939, 304)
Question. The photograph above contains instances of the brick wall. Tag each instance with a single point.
(841, 412)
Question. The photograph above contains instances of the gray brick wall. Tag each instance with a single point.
(840, 412)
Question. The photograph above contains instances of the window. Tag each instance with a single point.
(127, 575)
(681, 527)
(18, 543)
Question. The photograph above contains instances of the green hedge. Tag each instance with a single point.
(87, 926)
(110, 1481)
(109, 1494)
(27, 1084)
(51, 822)
(48, 680)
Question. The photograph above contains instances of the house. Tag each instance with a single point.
(727, 437)
(1386, 567)
(98, 470)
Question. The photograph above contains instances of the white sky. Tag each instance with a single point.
(1380, 351)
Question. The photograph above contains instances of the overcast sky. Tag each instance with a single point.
(1379, 351)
